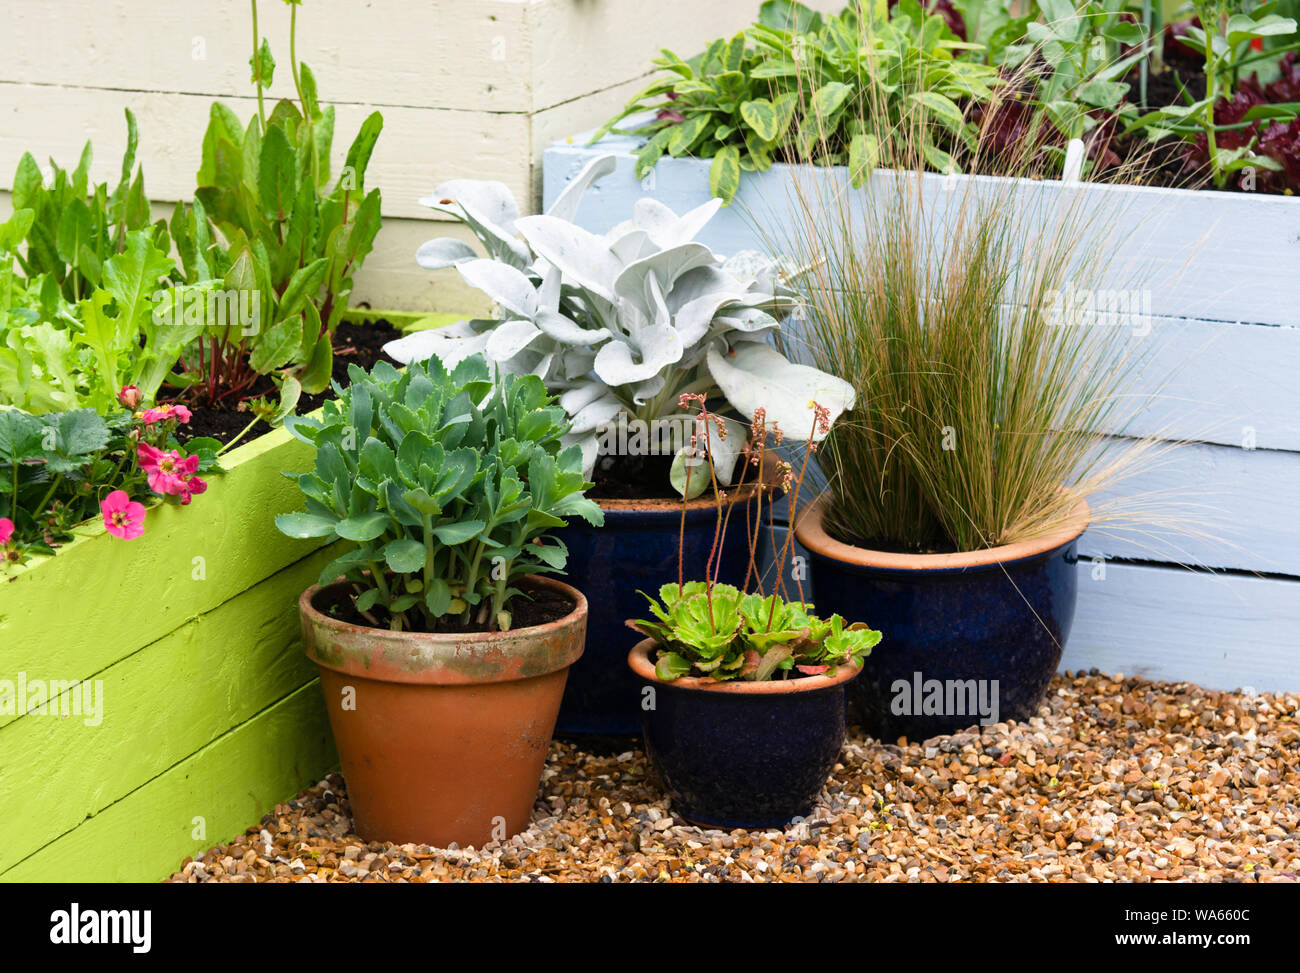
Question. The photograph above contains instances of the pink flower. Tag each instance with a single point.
(167, 470)
(161, 413)
(123, 517)
(6, 530)
(193, 486)
(129, 396)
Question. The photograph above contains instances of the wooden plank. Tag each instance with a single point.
(100, 598)
(419, 148)
(1219, 631)
(1205, 255)
(391, 277)
(158, 706)
(580, 48)
(464, 55)
(1213, 506)
(225, 787)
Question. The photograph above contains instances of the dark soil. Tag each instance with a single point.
(354, 344)
(1163, 164)
(634, 478)
(536, 607)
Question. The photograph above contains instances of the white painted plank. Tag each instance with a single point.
(1230, 508)
(465, 55)
(1219, 631)
(419, 148)
(1206, 255)
(392, 280)
(581, 47)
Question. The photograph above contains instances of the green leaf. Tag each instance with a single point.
(761, 116)
(724, 174)
(365, 527)
(305, 525)
(263, 65)
(303, 286)
(671, 666)
(404, 555)
(686, 134)
(864, 153)
(459, 533)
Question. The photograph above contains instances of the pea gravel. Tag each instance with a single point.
(1115, 780)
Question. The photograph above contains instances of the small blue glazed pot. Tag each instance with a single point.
(741, 754)
(635, 551)
(968, 638)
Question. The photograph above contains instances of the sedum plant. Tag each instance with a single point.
(621, 325)
(723, 632)
(448, 484)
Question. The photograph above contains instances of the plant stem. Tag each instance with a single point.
(257, 62)
(228, 445)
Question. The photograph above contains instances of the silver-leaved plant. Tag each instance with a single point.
(621, 325)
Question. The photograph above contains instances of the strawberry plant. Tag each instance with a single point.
(448, 485)
(61, 469)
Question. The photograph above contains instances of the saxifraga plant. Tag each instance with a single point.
(724, 632)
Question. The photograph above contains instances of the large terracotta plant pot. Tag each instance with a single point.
(741, 754)
(991, 622)
(635, 551)
(442, 738)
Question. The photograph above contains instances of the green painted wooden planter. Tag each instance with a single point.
(210, 712)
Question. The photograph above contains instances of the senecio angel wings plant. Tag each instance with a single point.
(722, 632)
(621, 325)
(449, 485)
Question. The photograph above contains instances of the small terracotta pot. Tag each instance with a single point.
(741, 754)
(983, 629)
(442, 737)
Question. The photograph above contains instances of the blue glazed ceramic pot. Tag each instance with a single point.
(968, 638)
(635, 551)
(741, 754)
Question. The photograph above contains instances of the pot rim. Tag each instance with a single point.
(811, 533)
(468, 658)
(638, 660)
(673, 505)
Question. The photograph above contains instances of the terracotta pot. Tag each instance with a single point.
(636, 550)
(994, 620)
(442, 738)
(741, 754)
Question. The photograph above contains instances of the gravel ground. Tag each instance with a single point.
(1115, 780)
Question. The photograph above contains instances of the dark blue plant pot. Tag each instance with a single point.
(952, 627)
(635, 551)
(741, 754)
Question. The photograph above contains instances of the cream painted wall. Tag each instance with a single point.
(468, 88)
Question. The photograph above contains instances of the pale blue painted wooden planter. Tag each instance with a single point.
(1221, 272)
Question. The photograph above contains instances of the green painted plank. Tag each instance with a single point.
(100, 598)
(155, 708)
(229, 785)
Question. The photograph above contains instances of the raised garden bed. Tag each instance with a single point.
(1220, 304)
(190, 636)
